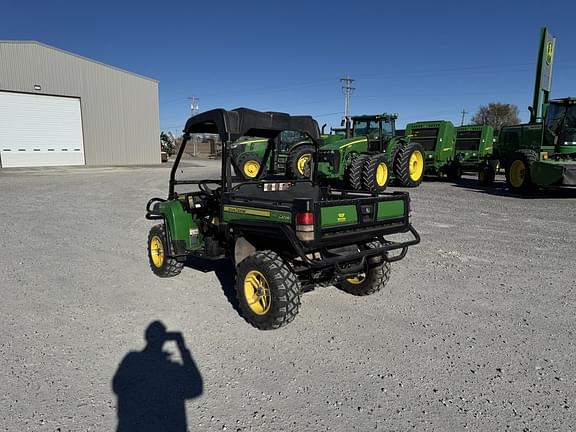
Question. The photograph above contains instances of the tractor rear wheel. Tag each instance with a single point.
(354, 173)
(375, 174)
(268, 290)
(409, 165)
(298, 162)
(486, 175)
(161, 264)
(248, 166)
(518, 175)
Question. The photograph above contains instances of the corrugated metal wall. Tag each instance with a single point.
(120, 115)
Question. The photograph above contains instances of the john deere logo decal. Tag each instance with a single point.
(549, 52)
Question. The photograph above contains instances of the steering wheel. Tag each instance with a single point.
(203, 186)
(210, 193)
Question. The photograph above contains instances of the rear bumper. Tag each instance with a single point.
(342, 263)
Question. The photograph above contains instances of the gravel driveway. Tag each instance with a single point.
(476, 330)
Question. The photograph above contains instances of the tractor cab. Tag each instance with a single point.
(379, 129)
(560, 126)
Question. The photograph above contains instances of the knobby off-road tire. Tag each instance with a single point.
(518, 175)
(161, 264)
(298, 164)
(375, 174)
(248, 165)
(354, 174)
(486, 175)
(409, 165)
(369, 282)
(268, 290)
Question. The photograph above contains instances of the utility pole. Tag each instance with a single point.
(194, 100)
(463, 112)
(347, 89)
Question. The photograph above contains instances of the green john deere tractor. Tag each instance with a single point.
(283, 235)
(438, 139)
(367, 160)
(542, 152)
(293, 154)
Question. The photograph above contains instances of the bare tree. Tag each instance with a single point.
(497, 115)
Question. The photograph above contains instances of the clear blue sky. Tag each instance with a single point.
(424, 60)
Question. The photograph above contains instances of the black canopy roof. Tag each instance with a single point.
(239, 122)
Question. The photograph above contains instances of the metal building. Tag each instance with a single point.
(58, 108)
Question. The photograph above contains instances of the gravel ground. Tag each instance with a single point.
(475, 332)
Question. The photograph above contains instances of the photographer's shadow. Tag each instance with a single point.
(152, 389)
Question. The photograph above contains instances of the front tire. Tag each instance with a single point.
(249, 166)
(161, 264)
(409, 165)
(268, 290)
(354, 174)
(518, 175)
(375, 174)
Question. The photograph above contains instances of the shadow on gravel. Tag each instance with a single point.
(152, 389)
(500, 189)
(225, 272)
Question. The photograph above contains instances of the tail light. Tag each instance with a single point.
(305, 226)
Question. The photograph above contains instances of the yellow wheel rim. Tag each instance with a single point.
(257, 292)
(302, 161)
(157, 251)
(416, 166)
(517, 173)
(356, 280)
(381, 174)
(251, 168)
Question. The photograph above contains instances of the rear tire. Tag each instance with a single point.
(298, 162)
(373, 280)
(268, 290)
(354, 177)
(161, 264)
(409, 165)
(518, 175)
(375, 174)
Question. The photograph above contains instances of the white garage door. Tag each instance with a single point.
(38, 130)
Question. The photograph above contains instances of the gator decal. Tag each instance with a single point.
(250, 213)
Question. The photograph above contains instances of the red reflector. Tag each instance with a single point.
(305, 218)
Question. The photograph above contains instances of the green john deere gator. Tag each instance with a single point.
(542, 152)
(283, 235)
(374, 152)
